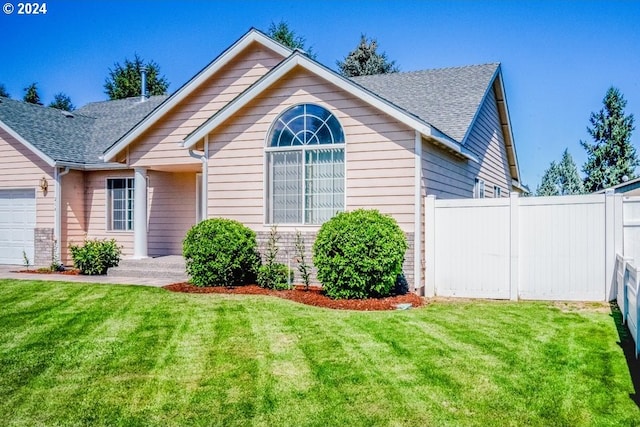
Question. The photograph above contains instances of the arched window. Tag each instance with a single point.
(305, 158)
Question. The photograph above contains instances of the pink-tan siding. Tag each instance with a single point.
(96, 209)
(21, 168)
(172, 211)
(447, 176)
(160, 145)
(379, 153)
(73, 215)
(487, 142)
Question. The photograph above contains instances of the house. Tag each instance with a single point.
(628, 188)
(264, 135)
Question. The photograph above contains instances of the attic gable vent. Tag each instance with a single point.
(67, 114)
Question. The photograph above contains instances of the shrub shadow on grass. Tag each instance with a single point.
(628, 347)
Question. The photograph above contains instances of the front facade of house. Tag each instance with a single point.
(262, 135)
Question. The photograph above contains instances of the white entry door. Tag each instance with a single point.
(17, 223)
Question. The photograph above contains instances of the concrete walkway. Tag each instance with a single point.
(11, 272)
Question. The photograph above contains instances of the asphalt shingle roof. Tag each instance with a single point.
(80, 136)
(446, 98)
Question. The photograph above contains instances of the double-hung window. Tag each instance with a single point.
(305, 166)
(120, 204)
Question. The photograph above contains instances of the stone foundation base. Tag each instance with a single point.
(288, 256)
(44, 246)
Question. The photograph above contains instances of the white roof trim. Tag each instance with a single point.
(252, 35)
(48, 160)
(298, 59)
(508, 118)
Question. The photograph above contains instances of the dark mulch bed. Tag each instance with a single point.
(68, 272)
(313, 296)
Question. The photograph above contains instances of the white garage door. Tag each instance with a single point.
(17, 221)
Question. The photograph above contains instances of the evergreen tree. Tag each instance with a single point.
(611, 156)
(281, 33)
(125, 81)
(62, 102)
(548, 186)
(31, 94)
(561, 179)
(364, 60)
(3, 91)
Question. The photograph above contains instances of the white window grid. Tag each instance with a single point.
(120, 204)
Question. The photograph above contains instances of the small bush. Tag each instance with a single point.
(95, 256)
(275, 276)
(359, 254)
(221, 252)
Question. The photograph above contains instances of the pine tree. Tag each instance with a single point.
(364, 60)
(561, 179)
(548, 186)
(125, 81)
(611, 156)
(62, 102)
(31, 94)
(3, 91)
(281, 33)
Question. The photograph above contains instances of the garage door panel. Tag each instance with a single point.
(17, 224)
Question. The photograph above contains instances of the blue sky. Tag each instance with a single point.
(558, 57)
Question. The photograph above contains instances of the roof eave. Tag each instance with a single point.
(179, 95)
(48, 160)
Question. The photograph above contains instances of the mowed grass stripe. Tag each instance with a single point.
(75, 354)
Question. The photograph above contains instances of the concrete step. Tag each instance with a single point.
(171, 268)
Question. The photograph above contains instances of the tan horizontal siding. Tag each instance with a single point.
(379, 153)
(96, 209)
(21, 168)
(73, 218)
(487, 142)
(172, 211)
(162, 140)
(446, 176)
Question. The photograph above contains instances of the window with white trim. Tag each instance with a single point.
(497, 192)
(478, 189)
(305, 166)
(120, 204)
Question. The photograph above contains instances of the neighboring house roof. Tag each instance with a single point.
(624, 187)
(79, 137)
(446, 98)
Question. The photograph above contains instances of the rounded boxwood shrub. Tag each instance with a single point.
(359, 254)
(221, 252)
(95, 256)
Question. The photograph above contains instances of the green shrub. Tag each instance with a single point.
(359, 254)
(221, 252)
(95, 256)
(272, 274)
(275, 276)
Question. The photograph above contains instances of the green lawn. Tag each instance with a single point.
(75, 354)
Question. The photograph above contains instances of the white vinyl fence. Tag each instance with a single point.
(628, 285)
(547, 248)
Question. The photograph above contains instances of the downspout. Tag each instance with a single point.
(57, 232)
(204, 158)
(417, 227)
